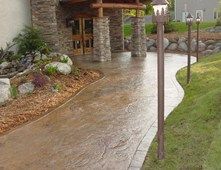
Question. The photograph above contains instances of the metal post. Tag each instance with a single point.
(197, 43)
(189, 54)
(160, 67)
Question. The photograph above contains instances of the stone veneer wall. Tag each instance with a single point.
(116, 29)
(138, 39)
(101, 33)
(44, 18)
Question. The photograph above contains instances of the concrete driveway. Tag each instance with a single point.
(104, 126)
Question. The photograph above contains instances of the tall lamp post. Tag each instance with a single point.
(160, 17)
(189, 22)
(198, 19)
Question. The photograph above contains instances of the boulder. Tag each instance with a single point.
(202, 46)
(26, 88)
(207, 52)
(153, 49)
(5, 65)
(166, 43)
(4, 90)
(217, 49)
(173, 47)
(183, 47)
(150, 43)
(193, 45)
(66, 58)
(210, 47)
(62, 68)
(209, 42)
(181, 40)
(218, 44)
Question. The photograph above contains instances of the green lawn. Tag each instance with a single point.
(179, 26)
(193, 130)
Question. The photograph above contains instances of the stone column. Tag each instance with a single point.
(138, 39)
(116, 29)
(101, 33)
(44, 18)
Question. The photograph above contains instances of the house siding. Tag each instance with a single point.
(207, 6)
(14, 15)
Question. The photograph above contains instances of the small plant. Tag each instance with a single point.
(218, 22)
(64, 60)
(6, 54)
(14, 92)
(39, 80)
(31, 40)
(75, 71)
(56, 87)
(51, 70)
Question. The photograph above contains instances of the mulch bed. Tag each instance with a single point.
(30, 107)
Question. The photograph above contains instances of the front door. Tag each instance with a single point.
(82, 29)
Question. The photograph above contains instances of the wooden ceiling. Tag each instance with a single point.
(72, 2)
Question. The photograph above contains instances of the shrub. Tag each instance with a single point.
(168, 28)
(14, 92)
(75, 71)
(6, 54)
(64, 60)
(31, 40)
(51, 70)
(39, 80)
(56, 87)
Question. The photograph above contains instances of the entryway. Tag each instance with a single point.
(82, 30)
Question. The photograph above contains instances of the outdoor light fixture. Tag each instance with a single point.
(160, 17)
(198, 20)
(189, 22)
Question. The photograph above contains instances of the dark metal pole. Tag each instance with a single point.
(189, 54)
(160, 66)
(197, 43)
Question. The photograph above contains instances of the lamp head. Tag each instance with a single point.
(160, 7)
(198, 19)
(189, 19)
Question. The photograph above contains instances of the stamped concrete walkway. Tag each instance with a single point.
(103, 126)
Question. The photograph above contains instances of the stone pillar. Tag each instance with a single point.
(116, 29)
(44, 18)
(138, 39)
(101, 33)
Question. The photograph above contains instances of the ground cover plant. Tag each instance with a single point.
(193, 129)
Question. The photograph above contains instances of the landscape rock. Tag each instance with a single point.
(183, 47)
(4, 90)
(62, 68)
(150, 43)
(210, 47)
(26, 88)
(5, 65)
(202, 46)
(65, 57)
(193, 45)
(217, 49)
(209, 42)
(181, 40)
(166, 43)
(153, 49)
(173, 47)
(207, 52)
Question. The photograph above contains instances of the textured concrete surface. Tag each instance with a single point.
(101, 127)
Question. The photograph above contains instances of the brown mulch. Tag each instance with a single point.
(30, 107)
(203, 35)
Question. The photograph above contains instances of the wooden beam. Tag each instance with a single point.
(137, 10)
(100, 9)
(139, 6)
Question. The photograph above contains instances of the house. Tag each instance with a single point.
(80, 27)
(206, 9)
(14, 15)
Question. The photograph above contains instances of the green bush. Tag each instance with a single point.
(31, 40)
(218, 22)
(169, 27)
(64, 60)
(7, 54)
(51, 70)
(75, 71)
(57, 87)
(14, 92)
